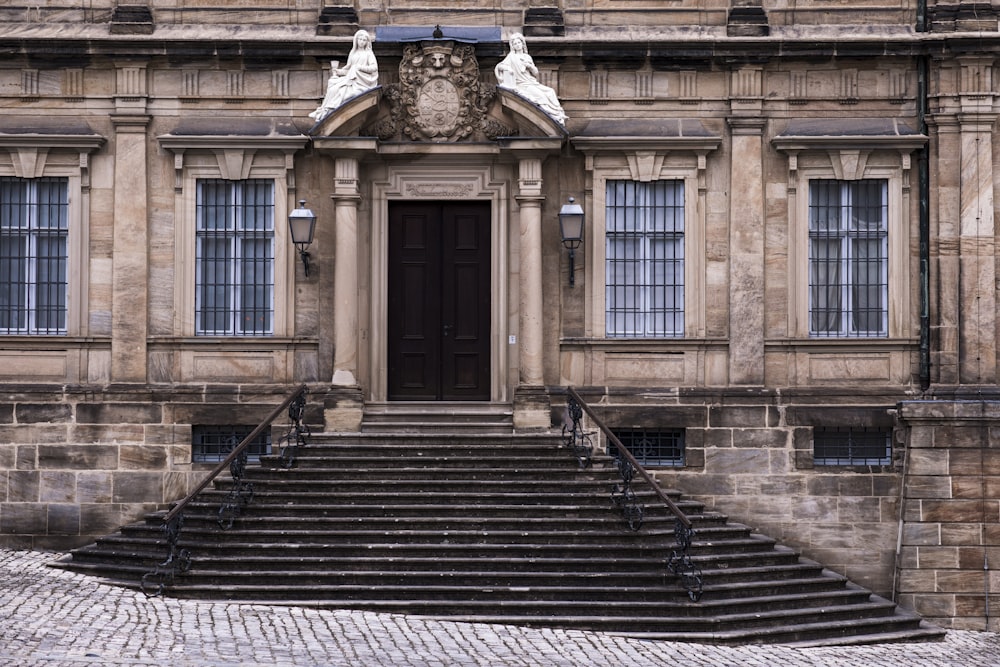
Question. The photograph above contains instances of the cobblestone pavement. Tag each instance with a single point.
(53, 618)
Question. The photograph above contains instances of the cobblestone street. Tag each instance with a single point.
(54, 618)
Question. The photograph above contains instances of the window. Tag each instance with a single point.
(652, 448)
(211, 444)
(644, 232)
(848, 258)
(839, 446)
(234, 258)
(34, 234)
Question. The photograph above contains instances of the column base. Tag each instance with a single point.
(343, 409)
(532, 409)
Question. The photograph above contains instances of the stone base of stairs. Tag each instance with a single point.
(465, 519)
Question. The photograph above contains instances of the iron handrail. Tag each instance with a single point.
(237, 450)
(679, 561)
(623, 452)
(179, 559)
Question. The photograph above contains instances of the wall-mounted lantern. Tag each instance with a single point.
(571, 230)
(302, 225)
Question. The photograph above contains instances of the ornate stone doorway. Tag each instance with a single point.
(438, 301)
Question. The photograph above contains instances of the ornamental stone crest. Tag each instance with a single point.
(439, 97)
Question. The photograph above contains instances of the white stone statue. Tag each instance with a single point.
(518, 73)
(358, 75)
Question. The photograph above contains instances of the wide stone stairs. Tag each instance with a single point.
(494, 529)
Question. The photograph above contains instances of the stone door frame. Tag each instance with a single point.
(444, 180)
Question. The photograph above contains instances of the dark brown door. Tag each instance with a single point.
(439, 301)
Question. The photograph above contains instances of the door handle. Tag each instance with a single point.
(445, 329)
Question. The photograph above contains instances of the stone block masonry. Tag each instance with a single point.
(749, 454)
(949, 566)
(77, 463)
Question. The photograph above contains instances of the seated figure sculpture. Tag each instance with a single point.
(358, 75)
(517, 72)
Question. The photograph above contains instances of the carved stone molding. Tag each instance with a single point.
(439, 97)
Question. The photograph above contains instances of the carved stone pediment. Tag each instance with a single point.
(439, 98)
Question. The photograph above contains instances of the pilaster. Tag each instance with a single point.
(130, 278)
(977, 236)
(746, 234)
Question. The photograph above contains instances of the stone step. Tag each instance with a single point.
(493, 527)
(528, 476)
(383, 495)
(271, 507)
(438, 417)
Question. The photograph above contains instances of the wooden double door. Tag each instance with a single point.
(439, 301)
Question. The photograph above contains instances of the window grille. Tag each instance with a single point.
(841, 446)
(34, 236)
(644, 226)
(211, 444)
(650, 447)
(234, 258)
(848, 258)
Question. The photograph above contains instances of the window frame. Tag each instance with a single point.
(210, 157)
(689, 170)
(32, 231)
(843, 237)
(673, 235)
(233, 236)
(850, 434)
(811, 167)
(229, 435)
(60, 156)
(628, 436)
(850, 158)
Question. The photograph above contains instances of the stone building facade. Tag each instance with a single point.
(788, 270)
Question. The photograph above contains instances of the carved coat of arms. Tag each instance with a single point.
(439, 97)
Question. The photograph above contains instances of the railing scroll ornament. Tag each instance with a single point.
(679, 562)
(240, 495)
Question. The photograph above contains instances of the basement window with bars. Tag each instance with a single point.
(652, 448)
(843, 446)
(211, 444)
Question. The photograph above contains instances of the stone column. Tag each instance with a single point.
(530, 404)
(130, 278)
(345, 273)
(977, 241)
(345, 405)
(746, 230)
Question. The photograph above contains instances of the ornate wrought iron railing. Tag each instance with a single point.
(240, 495)
(580, 442)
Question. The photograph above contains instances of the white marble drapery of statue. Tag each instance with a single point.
(517, 72)
(358, 75)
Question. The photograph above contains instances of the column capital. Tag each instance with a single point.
(529, 178)
(130, 122)
(747, 126)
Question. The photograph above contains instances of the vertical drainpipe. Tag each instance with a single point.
(923, 176)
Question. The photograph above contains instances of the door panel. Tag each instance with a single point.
(439, 298)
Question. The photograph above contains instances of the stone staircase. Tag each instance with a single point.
(492, 528)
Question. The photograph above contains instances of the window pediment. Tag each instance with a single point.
(29, 146)
(235, 143)
(641, 134)
(849, 133)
